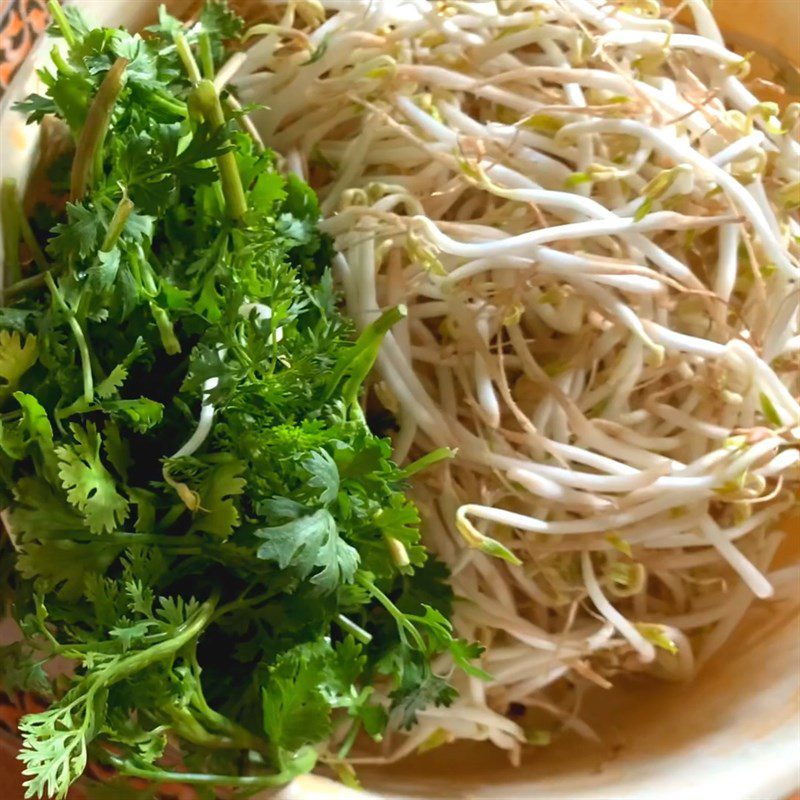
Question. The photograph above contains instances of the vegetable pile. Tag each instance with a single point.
(592, 220)
(198, 516)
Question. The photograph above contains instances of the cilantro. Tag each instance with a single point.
(110, 385)
(36, 107)
(21, 670)
(17, 356)
(15, 319)
(310, 542)
(140, 415)
(294, 707)
(90, 487)
(78, 235)
(202, 521)
(218, 20)
(218, 514)
(418, 690)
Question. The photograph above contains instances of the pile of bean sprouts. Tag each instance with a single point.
(592, 222)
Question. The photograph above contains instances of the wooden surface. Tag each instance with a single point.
(10, 770)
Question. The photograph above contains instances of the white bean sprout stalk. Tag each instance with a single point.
(593, 223)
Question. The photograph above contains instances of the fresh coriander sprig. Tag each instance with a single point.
(188, 273)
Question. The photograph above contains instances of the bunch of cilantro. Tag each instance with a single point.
(198, 516)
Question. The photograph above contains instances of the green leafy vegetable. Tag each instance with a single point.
(202, 521)
(90, 486)
(309, 542)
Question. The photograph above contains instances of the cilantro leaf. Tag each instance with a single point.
(21, 670)
(419, 689)
(140, 414)
(35, 107)
(90, 487)
(112, 383)
(103, 273)
(54, 747)
(323, 474)
(218, 514)
(17, 356)
(63, 566)
(268, 191)
(142, 69)
(79, 235)
(15, 319)
(307, 543)
(295, 711)
(219, 20)
(41, 511)
(400, 520)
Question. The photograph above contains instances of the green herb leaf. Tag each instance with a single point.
(308, 543)
(90, 487)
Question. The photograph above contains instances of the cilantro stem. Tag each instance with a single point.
(359, 359)
(171, 542)
(15, 223)
(349, 739)
(80, 406)
(240, 737)
(89, 149)
(428, 460)
(171, 104)
(26, 284)
(60, 62)
(80, 339)
(11, 229)
(186, 56)
(218, 720)
(184, 723)
(118, 220)
(365, 637)
(302, 763)
(207, 102)
(179, 545)
(165, 330)
(206, 56)
(192, 628)
(244, 602)
(402, 620)
(171, 516)
(60, 17)
(30, 240)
